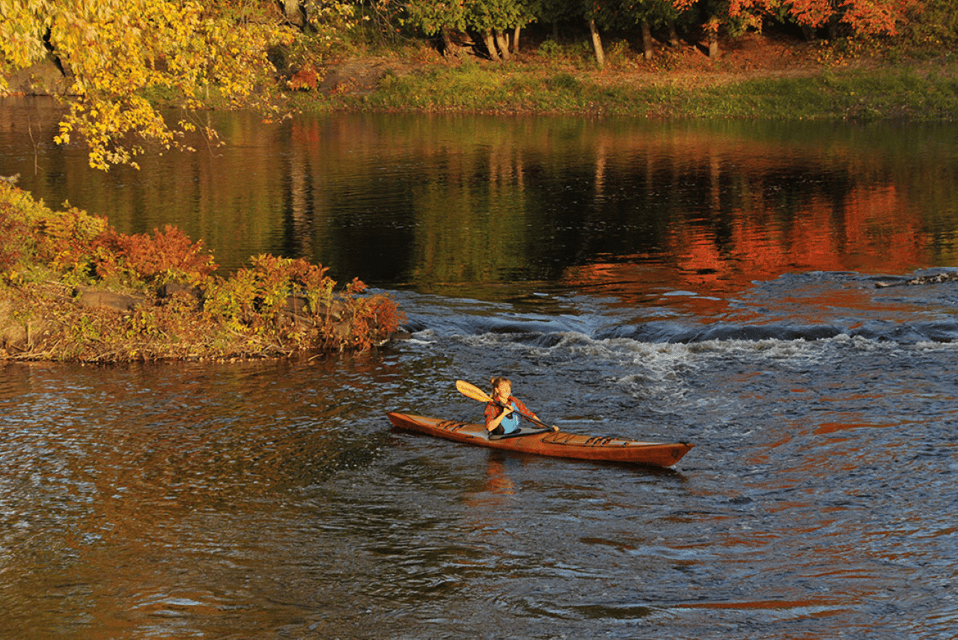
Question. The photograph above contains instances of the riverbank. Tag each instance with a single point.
(73, 289)
(756, 76)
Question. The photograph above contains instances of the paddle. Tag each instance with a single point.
(474, 392)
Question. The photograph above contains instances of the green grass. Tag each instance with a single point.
(904, 91)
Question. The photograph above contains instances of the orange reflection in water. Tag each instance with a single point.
(870, 230)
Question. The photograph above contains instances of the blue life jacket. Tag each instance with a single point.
(511, 422)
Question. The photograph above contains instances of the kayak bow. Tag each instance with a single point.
(549, 443)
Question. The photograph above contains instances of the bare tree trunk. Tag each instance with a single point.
(502, 40)
(597, 45)
(646, 40)
(490, 41)
(673, 35)
(515, 39)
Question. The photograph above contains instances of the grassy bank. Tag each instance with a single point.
(761, 78)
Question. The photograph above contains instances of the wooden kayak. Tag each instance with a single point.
(549, 443)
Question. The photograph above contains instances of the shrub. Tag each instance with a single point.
(273, 307)
(166, 256)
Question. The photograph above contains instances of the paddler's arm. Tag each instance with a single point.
(524, 409)
(492, 418)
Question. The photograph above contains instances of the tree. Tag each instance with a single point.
(493, 19)
(647, 14)
(865, 17)
(599, 14)
(115, 51)
(553, 11)
(862, 17)
(435, 16)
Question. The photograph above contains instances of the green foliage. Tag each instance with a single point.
(934, 26)
(431, 16)
(565, 81)
(550, 50)
(579, 54)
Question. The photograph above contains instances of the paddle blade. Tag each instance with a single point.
(472, 391)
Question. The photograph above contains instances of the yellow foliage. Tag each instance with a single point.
(114, 50)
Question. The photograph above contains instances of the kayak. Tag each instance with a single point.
(545, 442)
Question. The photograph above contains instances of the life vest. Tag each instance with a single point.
(510, 422)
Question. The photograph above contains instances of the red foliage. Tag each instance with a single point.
(865, 17)
(167, 254)
(305, 79)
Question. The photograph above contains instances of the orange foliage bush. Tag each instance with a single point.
(166, 256)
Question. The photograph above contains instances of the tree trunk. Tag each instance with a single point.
(646, 40)
(502, 40)
(449, 48)
(832, 26)
(673, 35)
(713, 28)
(597, 45)
(515, 39)
(490, 41)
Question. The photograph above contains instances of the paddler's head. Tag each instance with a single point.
(501, 388)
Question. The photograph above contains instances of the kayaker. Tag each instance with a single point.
(502, 415)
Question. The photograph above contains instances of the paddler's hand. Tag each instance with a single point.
(507, 411)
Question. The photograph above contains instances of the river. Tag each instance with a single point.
(716, 283)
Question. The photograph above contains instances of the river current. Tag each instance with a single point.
(757, 318)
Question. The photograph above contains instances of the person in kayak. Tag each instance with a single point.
(502, 415)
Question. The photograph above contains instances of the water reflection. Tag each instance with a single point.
(435, 202)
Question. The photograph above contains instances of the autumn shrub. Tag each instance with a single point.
(166, 256)
(272, 307)
(259, 302)
(64, 240)
(375, 319)
(34, 234)
(252, 298)
(11, 234)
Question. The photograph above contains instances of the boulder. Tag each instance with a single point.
(93, 298)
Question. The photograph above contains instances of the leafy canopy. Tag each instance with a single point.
(113, 51)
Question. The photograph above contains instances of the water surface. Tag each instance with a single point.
(710, 283)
